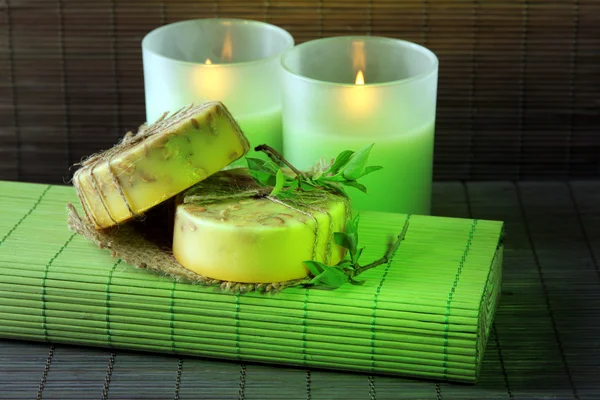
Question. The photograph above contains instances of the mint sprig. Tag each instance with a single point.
(344, 171)
(349, 268)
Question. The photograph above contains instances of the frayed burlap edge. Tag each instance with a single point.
(129, 245)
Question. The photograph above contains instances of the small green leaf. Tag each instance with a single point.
(346, 265)
(332, 277)
(355, 222)
(356, 185)
(372, 168)
(359, 253)
(357, 164)
(353, 242)
(307, 186)
(342, 240)
(352, 224)
(340, 161)
(279, 182)
(260, 172)
(256, 164)
(271, 167)
(335, 178)
(294, 184)
(315, 267)
(262, 178)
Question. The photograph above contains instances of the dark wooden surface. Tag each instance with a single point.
(545, 341)
(519, 81)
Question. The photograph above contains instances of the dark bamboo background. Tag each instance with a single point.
(519, 85)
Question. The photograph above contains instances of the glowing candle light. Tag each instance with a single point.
(360, 78)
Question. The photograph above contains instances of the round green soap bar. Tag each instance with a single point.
(254, 239)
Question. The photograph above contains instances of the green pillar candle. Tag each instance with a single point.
(345, 92)
(231, 60)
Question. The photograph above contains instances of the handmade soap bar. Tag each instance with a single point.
(158, 162)
(224, 231)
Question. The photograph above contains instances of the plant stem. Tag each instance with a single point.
(387, 256)
(278, 158)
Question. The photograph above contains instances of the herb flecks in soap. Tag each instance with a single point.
(344, 170)
(347, 270)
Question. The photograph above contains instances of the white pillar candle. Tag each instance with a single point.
(343, 93)
(230, 60)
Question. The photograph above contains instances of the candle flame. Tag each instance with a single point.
(227, 52)
(360, 78)
(208, 62)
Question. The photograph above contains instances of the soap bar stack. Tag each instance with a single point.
(233, 237)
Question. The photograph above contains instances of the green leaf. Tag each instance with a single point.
(353, 242)
(256, 164)
(359, 253)
(271, 167)
(315, 267)
(332, 277)
(263, 178)
(335, 178)
(260, 172)
(346, 265)
(355, 222)
(372, 168)
(307, 186)
(340, 161)
(352, 224)
(355, 168)
(279, 182)
(293, 184)
(352, 238)
(356, 185)
(342, 239)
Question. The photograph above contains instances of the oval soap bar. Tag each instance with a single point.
(159, 162)
(253, 239)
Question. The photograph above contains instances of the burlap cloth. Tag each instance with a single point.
(145, 243)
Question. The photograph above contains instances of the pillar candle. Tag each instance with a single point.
(230, 60)
(346, 92)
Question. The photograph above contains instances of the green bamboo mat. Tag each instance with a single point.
(427, 313)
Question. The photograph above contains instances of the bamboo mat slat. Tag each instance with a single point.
(518, 81)
(522, 359)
